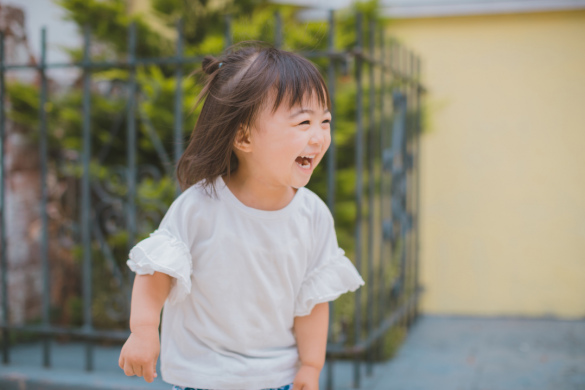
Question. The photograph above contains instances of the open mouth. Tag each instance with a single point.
(305, 162)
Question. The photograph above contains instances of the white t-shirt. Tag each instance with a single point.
(241, 275)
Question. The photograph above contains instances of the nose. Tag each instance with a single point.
(318, 136)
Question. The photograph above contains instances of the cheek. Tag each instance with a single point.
(327, 140)
(281, 153)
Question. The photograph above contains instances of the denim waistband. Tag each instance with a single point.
(286, 387)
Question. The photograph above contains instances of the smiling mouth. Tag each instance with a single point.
(305, 162)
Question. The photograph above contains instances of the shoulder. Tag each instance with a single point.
(317, 208)
(196, 194)
(194, 201)
(190, 213)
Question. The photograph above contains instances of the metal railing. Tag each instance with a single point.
(387, 155)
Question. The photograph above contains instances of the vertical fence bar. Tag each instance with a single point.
(405, 182)
(405, 69)
(371, 193)
(397, 207)
(46, 299)
(398, 58)
(411, 187)
(277, 29)
(331, 165)
(359, 188)
(397, 70)
(131, 144)
(398, 286)
(407, 185)
(3, 259)
(178, 130)
(86, 222)
(390, 223)
(382, 140)
(417, 180)
(397, 178)
(228, 30)
(403, 187)
(401, 200)
(410, 176)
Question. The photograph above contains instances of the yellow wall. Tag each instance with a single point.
(503, 164)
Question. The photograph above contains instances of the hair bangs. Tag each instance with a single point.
(299, 81)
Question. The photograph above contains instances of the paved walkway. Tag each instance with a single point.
(440, 353)
(470, 353)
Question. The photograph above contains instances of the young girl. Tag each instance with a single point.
(246, 258)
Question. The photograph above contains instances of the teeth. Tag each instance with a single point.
(310, 158)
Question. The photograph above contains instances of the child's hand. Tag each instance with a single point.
(307, 378)
(140, 352)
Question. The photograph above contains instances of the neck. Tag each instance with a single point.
(257, 192)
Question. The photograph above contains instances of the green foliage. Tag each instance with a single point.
(24, 104)
(203, 30)
(108, 22)
(203, 18)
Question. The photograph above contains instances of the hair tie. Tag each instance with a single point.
(219, 65)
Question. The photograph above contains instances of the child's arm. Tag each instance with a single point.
(311, 334)
(141, 350)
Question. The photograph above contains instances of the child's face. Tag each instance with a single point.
(279, 142)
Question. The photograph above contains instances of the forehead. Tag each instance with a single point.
(310, 99)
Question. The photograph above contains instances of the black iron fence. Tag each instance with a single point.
(387, 152)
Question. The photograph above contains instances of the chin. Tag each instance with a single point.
(300, 183)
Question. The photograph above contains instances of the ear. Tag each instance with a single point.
(243, 140)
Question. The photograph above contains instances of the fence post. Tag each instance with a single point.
(417, 181)
(277, 29)
(228, 31)
(179, 100)
(43, 207)
(359, 188)
(3, 258)
(86, 222)
(382, 140)
(331, 165)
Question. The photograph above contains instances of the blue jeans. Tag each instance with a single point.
(286, 387)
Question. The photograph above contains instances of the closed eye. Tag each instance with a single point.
(307, 122)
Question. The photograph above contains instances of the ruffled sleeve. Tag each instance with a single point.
(164, 252)
(330, 273)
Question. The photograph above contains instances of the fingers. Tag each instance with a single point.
(137, 369)
(132, 369)
(128, 369)
(297, 386)
(148, 373)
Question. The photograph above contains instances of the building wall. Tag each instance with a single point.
(503, 163)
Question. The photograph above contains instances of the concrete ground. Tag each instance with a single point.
(440, 353)
(467, 353)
